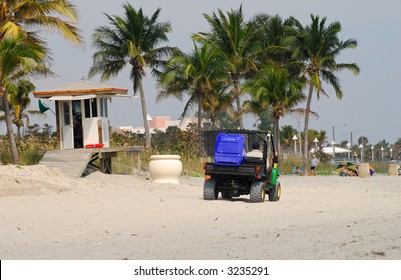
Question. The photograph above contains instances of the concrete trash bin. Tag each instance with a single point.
(393, 169)
(165, 169)
(363, 170)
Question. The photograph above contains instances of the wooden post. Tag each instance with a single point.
(59, 125)
(131, 154)
(100, 131)
(139, 160)
(105, 165)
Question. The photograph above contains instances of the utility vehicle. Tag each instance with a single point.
(233, 174)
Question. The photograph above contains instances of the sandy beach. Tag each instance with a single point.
(45, 215)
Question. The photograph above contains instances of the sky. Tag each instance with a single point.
(371, 102)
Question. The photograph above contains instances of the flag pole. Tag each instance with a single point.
(43, 107)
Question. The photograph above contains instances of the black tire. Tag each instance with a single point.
(275, 193)
(209, 190)
(257, 193)
(226, 195)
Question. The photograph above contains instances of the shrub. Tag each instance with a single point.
(30, 149)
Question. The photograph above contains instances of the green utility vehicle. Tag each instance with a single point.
(233, 173)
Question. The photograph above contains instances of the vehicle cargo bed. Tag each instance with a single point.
(242, 170)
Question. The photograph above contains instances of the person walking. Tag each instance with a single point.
(313, 165)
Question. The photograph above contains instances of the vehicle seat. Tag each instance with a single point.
(255, 160)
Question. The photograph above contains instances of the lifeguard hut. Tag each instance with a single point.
(82, 119)
(82, 113)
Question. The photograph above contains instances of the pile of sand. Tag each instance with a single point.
(33, 180)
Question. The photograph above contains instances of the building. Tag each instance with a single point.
(160, 123)
(82, 116)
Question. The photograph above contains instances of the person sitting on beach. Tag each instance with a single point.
(345, 172)
(298, 170)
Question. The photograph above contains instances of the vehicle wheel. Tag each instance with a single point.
(225, 195)
(257, 192)
(275, 193)
(209, 190)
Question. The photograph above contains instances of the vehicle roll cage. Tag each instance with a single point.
(265, 136)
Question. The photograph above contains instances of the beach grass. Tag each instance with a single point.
(193, 167)
(31, 151)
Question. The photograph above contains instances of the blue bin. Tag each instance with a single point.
(229, 149)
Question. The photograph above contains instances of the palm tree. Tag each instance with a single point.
(200, 75)
(18, 58)
(23, 15)
(286, 134)
(264, 121)
(318, 46)
(383, 143)
(216, 101)
(225, 120)
(397, 149)
(363, 140)
(20, 17)
(237, 41)
(321, 137)
(273, 34)
(19, 102)
(277, 91)
(134, 40)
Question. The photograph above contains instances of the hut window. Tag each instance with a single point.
(87, 108)
(66, 109)
(101, 107)
(94, 107)
(106, 113)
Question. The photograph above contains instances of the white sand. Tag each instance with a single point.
(45, 215)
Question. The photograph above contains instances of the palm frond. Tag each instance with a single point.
(22, 16)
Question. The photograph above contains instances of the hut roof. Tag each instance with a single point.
(80, 88)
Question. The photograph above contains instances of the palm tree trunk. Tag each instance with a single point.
(277, 134)
(10, 132)
(18, 132)
(144, 114)
(237, 94)
(200, 124)
(213, 118)
(306, 128)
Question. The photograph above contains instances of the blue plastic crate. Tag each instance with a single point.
(229, 149)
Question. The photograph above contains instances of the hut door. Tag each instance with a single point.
(67, 125)
(77, 122)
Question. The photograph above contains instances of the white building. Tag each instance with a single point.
(160, 123)
(82, 116)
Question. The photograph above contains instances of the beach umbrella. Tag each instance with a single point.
(340, 167)
(349, 165)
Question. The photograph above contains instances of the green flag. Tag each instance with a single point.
(42, 108)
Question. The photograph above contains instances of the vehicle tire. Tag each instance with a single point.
(209, 190)
(226, 195)
(275, 193)
(257, 193)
